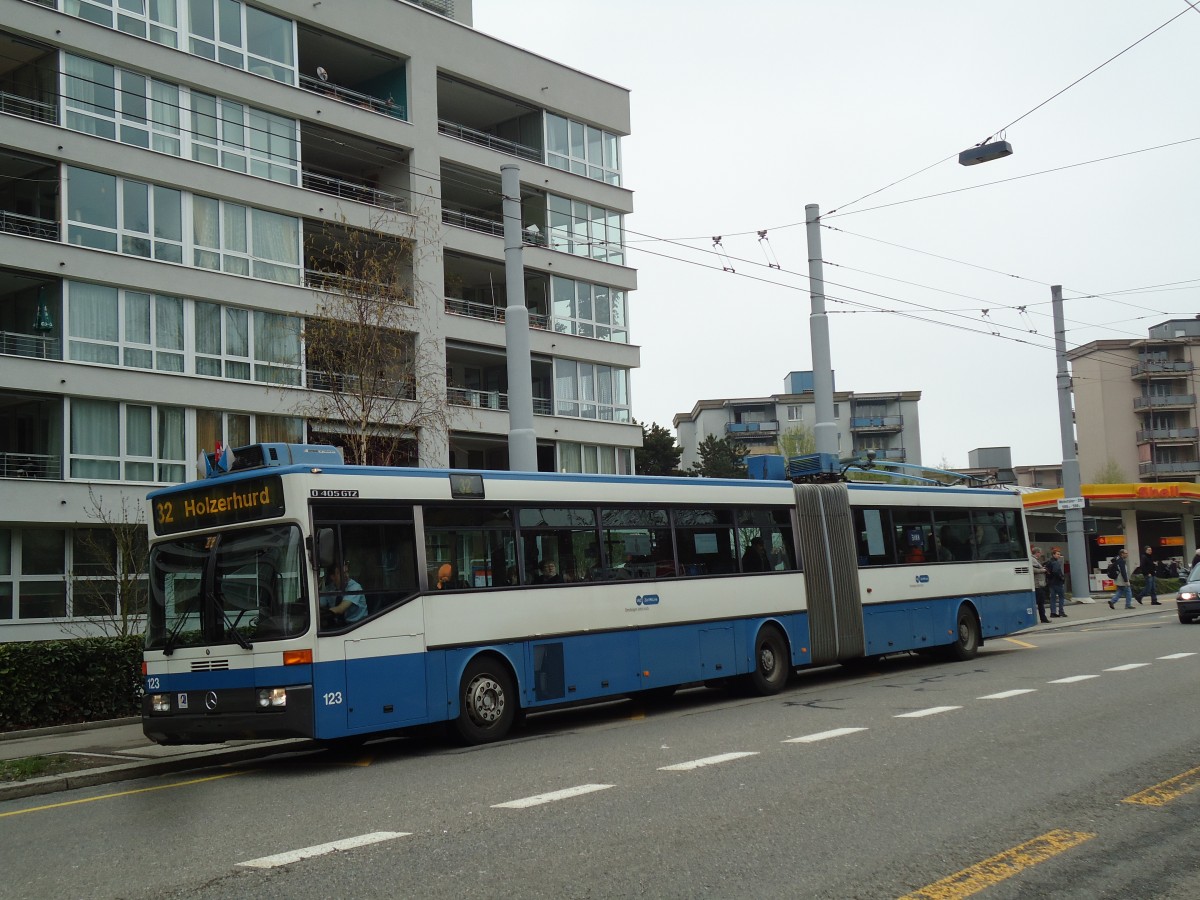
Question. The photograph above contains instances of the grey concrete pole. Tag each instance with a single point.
(825, 432)
(1076, 543)
(522, 440)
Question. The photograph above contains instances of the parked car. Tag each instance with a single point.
(1188, 598)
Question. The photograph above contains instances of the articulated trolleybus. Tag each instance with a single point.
(296, 596)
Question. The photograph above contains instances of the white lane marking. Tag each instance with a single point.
(932, 711)
(1004, 695)
(1126, 667)
(539, 799)
(283, 859)
(822, 735)
(707, 761)
(1176, 655)
(1072, 679)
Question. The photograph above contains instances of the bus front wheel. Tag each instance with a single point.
(771, 663)
(967, 638)
(487, 701)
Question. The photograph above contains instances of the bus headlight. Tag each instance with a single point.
(160, 703)
(268, 697)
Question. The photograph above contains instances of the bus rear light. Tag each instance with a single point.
(160, 703)
(268, 697)
(297, 657)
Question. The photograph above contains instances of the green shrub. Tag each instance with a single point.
(60, 682)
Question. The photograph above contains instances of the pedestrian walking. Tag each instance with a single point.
(1039, 581)
(1119, 572)
(1056, 583)
(1149, 571)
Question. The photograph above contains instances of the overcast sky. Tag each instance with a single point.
(744, 113)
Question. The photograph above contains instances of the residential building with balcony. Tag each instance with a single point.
(1136, 414)
(884, 422)
(173, 178)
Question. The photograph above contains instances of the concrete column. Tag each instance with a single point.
(1188, 521)
(1133, 542)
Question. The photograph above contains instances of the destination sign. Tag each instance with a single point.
(224, 504)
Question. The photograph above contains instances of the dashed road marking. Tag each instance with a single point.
(1004, 695)
(564, 794)
(1127, 667)
(1166, 791)
(291, 856)
(823, 735)
(1072, 679)
(1176, 655)
(707, 761)
(932, 711)
(1004, 865)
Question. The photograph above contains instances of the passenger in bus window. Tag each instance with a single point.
(344, 603)
(550, 573)
(445, 577)
(755, 558)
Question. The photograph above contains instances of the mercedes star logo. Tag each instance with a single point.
(210, 700)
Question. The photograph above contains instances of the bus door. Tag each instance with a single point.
(373, 612)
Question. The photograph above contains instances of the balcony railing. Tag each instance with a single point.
(28, 226)
(477, 399)
(1162, 435)
(1166, 400)
(391, 108)
(349, 190)
(1162, 367)
(26, 108)
(492, 313)
(453, 129)
(1172, 468)
(335, 282)
(877, 423)
(349, 384)
(488, 223)
(30, 465)
(751, 429)
(31, 345)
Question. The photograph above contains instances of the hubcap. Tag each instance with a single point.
(485, 700)
(766, 659)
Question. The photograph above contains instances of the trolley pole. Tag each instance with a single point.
(1076, 544)
(522, 440)
(825, 431)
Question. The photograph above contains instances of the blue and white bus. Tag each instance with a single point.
(474, 596)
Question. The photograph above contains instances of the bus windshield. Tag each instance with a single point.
(237, 587)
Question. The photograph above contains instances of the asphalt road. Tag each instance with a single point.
(1056, 764)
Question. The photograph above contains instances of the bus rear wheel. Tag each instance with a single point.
(487, 701)
(771, 662)
(967, 639)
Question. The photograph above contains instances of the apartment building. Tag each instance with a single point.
(173, 176)
(1136, 417)
(885, 422)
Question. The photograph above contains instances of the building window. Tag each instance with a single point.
(594, 459)
(582, 149)
(124, 106)
(242, 240)
(114, 441)
(156, 19)
(241, 429)
(112, 326)
(589, 310)
(795, 413)
(589, 391)
(585, 230)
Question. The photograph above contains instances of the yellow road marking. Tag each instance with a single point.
(637, 715)
(1001, 866)
(1021, 643)
(1166, 791)
(161, 787)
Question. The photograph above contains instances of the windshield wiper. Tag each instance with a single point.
(231, 627)
(173, 637)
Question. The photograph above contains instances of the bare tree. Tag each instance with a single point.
(108, 575)
(375, 378)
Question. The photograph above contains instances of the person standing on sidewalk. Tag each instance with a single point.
(1121, 579)
(1148, 571)
(1056, 583)
(1039, 581)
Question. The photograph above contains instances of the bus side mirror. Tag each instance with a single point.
(325, 547)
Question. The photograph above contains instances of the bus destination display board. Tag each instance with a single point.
(225, 504)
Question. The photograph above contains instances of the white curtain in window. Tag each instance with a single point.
(168, 323)
(206, 226)
(95, 431)
(170, 433)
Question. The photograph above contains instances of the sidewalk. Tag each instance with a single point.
(118, 751)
